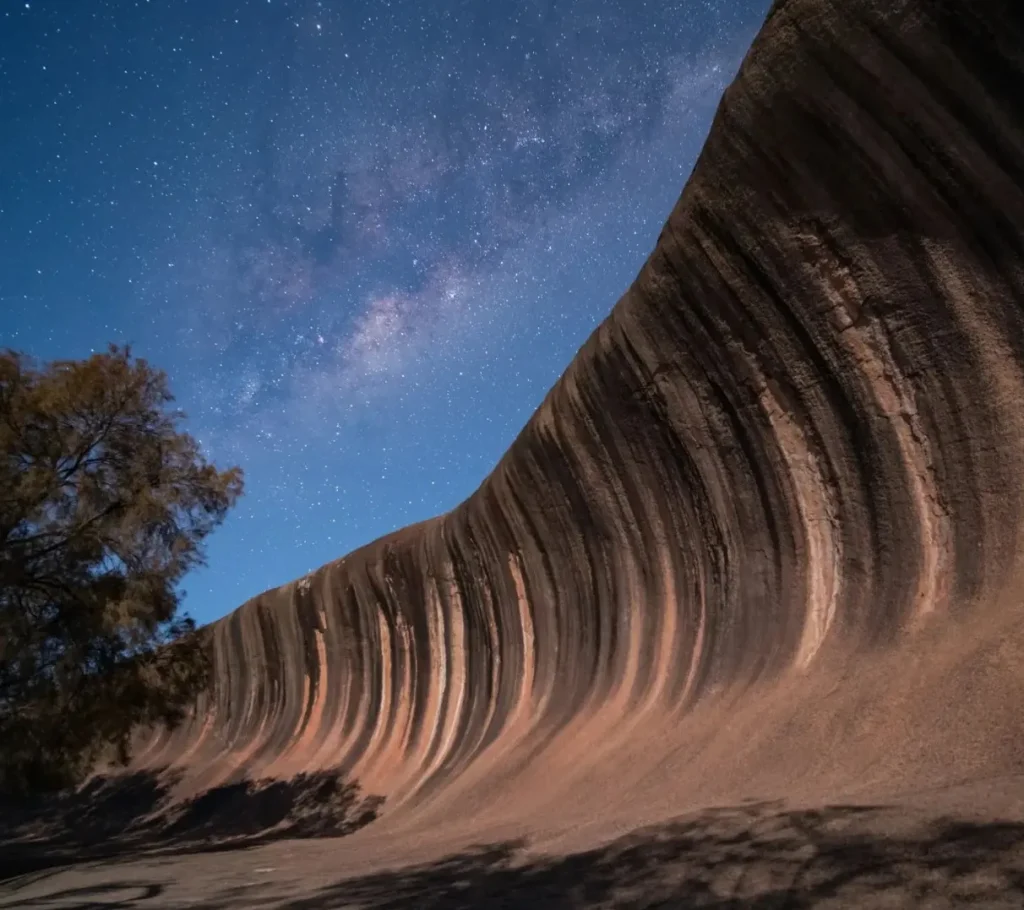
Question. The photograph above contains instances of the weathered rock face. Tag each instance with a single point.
(799, 436)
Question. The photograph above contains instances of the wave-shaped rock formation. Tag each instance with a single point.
(765, 530)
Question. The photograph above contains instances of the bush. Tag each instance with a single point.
(104, 506)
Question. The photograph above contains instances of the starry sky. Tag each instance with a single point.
(363, 237)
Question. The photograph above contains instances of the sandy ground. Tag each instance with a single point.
(958, 846)
(925, 812)
(735, 623)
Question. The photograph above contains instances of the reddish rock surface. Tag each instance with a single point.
(759, 548)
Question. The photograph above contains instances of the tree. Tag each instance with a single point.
(104, 506)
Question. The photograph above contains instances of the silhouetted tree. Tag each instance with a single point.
(104, 506)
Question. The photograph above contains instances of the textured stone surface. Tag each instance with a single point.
(786, 468)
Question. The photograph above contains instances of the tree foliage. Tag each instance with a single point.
(104, 506)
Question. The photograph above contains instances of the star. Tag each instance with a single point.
(362, 228)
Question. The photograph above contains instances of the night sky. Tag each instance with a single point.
(363, 237)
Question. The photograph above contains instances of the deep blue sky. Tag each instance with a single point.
(363, 237)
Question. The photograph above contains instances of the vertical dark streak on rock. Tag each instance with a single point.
(799, 436)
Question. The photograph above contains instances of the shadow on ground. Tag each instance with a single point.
(130, 814)
(752, 857)
(749, 857)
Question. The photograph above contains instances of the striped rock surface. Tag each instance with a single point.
(764, 535)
